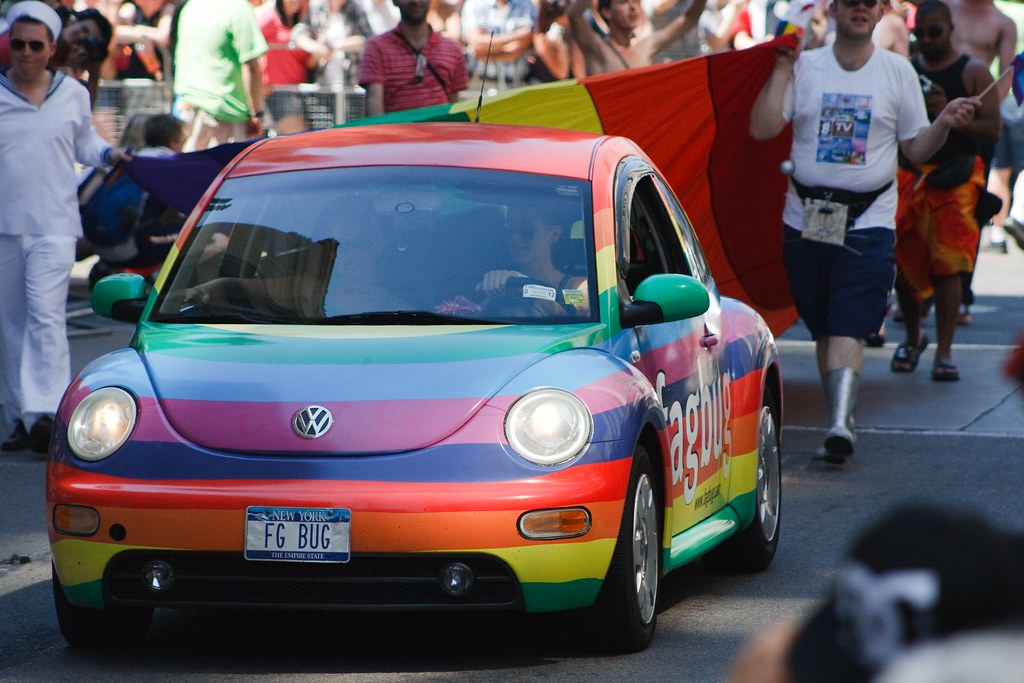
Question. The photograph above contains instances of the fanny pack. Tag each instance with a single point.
(829, 212)
(856, 202)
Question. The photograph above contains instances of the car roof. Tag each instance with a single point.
(467, 145)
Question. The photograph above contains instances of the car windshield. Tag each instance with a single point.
(405, 245)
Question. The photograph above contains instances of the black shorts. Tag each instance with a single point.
(841, 291)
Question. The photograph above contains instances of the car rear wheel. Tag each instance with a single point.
(626, 608)
(753, 549)
(111, 627)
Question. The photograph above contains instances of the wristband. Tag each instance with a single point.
(256, 114)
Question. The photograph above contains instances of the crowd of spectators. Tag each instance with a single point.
(319, 44)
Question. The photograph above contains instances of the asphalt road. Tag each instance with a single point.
(956, 444)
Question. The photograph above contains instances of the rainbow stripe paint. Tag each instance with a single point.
(418, 452)
(463, 493)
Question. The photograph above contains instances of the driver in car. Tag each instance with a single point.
(530, 238)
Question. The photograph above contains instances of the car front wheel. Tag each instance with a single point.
(111, 627)
(626, 607)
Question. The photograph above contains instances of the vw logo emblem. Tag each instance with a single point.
(312, 422)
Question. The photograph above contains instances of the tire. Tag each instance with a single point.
(753, 549)
(111, 627)
(626, 609)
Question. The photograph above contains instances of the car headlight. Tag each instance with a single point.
(548, 426)
(101, 423)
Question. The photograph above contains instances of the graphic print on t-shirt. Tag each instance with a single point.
(843, 133)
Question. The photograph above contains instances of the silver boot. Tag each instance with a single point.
(841, 394)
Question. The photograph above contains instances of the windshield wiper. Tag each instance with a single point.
(404, 317)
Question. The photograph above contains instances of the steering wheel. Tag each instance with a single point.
(512, 304)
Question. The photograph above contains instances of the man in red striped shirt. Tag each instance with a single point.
(411, 66)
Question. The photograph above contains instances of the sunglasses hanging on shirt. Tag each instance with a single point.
(422, 63)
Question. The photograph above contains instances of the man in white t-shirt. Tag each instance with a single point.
(853, 107)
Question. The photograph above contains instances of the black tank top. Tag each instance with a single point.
(951, 80)
(136, 68)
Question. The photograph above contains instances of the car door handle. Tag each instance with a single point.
(708, 340)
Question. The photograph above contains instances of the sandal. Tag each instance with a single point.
(945, 370)
(906, 357)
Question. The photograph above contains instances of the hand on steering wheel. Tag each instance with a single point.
(495, 282)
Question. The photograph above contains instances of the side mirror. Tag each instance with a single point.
(678, 296)
(120, 297)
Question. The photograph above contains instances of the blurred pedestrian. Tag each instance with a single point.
(552, 58)
(130, 230)
(46, 122)
(716, 24)
(142, 36)
(445, 17)
(661, 13)
(216, 41)
(382, 15)
(985, 33)
(499, 33)
(411, 66)
(1008, 161)
(853, 107)
(621, 48)
(756, 24)
(341, 28)
(82, 46)
(287, 64)
(937, 231)
(920, 576)
(892, 33)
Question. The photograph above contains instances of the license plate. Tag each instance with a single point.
(297, 534)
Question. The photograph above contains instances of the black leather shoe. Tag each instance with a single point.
(39, 435)
(18, 440)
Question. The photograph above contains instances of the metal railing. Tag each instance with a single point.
(325, 106)
(118, 100)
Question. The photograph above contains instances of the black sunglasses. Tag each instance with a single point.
(17, 44)
(867, 3)
(933, 32)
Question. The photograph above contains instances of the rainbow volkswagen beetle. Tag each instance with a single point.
(434, 366)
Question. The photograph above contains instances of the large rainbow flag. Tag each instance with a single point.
(691, 117)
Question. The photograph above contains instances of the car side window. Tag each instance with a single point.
(653, 245)
(698, 265)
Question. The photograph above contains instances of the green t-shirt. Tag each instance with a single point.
(215, 38)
